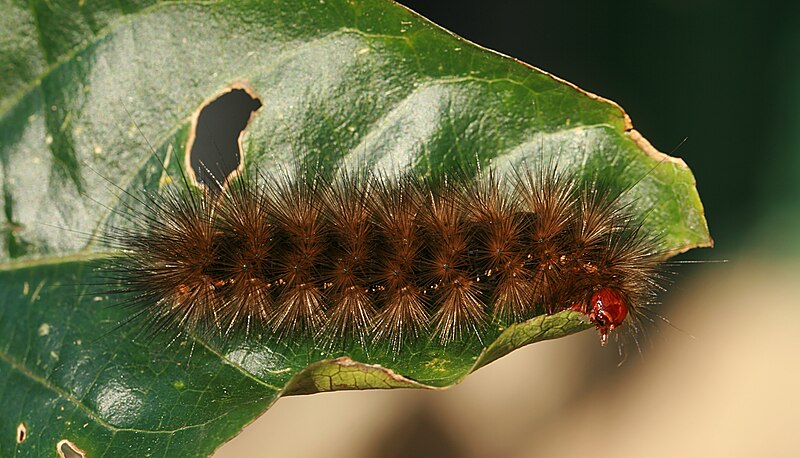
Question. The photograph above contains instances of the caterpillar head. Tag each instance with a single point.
(607, 310)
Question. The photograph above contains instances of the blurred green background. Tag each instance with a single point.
(725, 76)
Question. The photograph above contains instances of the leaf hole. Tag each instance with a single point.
(214, 149)
(67, 449)
(22, 433)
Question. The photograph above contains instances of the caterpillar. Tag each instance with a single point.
(378, 258)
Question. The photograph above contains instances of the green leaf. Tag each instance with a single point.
(341, 81)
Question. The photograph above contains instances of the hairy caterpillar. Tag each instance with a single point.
(377, 258)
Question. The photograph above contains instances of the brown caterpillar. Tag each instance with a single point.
(380, 258)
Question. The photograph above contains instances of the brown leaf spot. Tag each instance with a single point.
(67, 449)
(22, 433)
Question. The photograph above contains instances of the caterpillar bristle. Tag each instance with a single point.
(374, 259)
(169, 262)
(548, 199)
(598, 216)
(395, 209)
(499, 231)
(549, 196)
(346, 203)
(448, 271)
(246, 237)
(293, 205)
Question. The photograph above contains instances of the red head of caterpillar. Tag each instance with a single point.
(607, 309)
